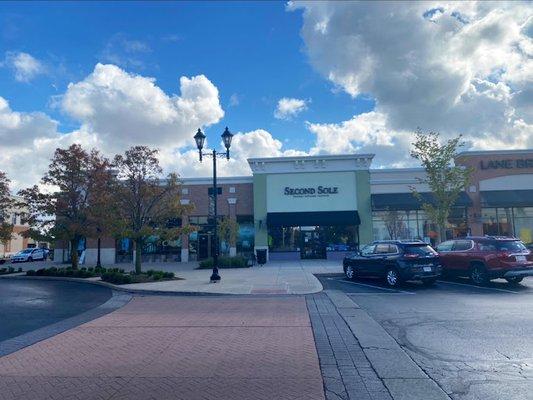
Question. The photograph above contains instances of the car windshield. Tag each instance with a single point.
(26, 251)
(510, 245)
(421, 250)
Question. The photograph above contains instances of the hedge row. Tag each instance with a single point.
(225, 262)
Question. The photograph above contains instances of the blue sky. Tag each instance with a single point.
(303, 77)
(251, 51)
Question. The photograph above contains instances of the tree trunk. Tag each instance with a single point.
(442, 234)
(98, 262)
(74, 252)
(138, 248)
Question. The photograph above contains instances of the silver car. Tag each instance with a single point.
(29, 255)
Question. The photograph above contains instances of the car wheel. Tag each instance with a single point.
(478, 275)
(392, 277)
(429, 282)
(515, 280)
(30, 259)
(350, 272)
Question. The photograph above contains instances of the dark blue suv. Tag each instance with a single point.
(396, 261)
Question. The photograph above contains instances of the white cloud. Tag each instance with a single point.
(124, 108)
(234, 100)
(115, 110)
(289, 108)
(454, 67)
(364, 133)
(125, 52)
(29, 140)
(25, 67)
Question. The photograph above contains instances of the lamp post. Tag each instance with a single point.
(200, 139)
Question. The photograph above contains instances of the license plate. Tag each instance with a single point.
(427, 269)
(521, 258)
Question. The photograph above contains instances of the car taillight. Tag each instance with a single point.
(408, 255)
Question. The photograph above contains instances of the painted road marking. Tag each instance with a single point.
(479, 287)
(396, 291)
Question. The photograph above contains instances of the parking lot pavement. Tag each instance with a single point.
(170, 347)
(474, 342)
(28, 305)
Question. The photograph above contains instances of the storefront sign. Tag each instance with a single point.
(311, 191)
(507, 164)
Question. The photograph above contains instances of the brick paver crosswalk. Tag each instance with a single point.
(175, 348)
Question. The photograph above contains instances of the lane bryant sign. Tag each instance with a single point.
(311, 191)
(507, 164)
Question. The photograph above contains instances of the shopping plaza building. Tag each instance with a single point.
(325, 206)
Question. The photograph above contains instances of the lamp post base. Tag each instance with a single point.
(215, 277)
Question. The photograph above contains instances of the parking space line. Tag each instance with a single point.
(371, 286)
(479, 287)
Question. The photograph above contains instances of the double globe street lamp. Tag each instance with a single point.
(200, 140)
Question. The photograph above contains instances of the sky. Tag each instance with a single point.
(287, 78)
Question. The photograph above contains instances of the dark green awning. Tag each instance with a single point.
(507, 198)
(315, 218)
(406, 201)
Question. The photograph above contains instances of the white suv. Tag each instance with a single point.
(29, 255)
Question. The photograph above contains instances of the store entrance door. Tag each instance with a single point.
(312, 244)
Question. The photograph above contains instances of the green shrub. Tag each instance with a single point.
(66, 272)
(116, 277)
(225, 262)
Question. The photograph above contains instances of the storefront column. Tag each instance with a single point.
(260, 213)
(185, 236)
(364, 206)
(233, 216)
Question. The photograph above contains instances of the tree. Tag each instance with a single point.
(61, 207)
(394, 223)
(6, 205)
(103, 211)
(145, 203)
(228, 229)
(445, 179)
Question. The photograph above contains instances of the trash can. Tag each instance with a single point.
(261, 256)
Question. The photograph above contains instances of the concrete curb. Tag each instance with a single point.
(148, 292)
(402, 376)
(115, 287)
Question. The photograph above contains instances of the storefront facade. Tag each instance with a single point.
(324, 206)
(311, 207)
(502, 193)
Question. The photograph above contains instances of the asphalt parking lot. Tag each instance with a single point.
(26, 305)
(475, 342)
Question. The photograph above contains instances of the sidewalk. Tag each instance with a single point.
(279, 277)
(359, 360)
(175, 348)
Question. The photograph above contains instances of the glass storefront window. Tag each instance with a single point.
(517, 221)
(313, 241)
(245, 237)
(284, 238)
(415, 224)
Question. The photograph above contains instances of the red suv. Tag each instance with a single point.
(485, 258)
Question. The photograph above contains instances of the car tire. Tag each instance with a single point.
(392, 278)
(349, 272)
(30, 259)
(515, 280)
(478, 275)
(429, 282)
